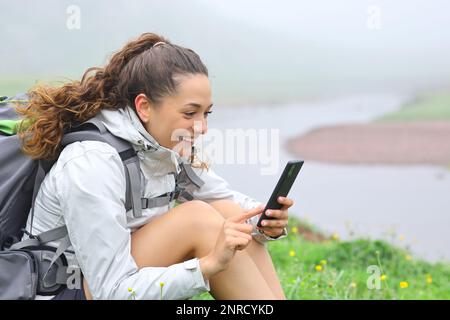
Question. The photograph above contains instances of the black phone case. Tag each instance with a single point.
(282, 188)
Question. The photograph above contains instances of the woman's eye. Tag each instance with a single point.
(191, 114)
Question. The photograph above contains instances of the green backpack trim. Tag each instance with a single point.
(9, 127)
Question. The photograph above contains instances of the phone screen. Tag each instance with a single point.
(282, 188)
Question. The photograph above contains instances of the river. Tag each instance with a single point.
(406, 205)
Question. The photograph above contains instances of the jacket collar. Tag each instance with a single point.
(155, 159)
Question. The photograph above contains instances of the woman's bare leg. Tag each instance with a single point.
(191, 230)
(257, 251)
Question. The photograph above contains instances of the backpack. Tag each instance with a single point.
(20, 179)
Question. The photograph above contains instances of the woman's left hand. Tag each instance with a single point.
(274, 227)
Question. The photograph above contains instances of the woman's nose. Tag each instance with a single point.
(201, 127)
(204, 126)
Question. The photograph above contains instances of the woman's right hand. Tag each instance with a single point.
(234, 235)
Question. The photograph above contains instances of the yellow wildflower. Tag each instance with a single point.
(323, 262)
(132, 294)
(383, 277)
(318, 267)
(353, 285)
(335, 236)
(408, 257)
(292, 253)
(161, 285)
(429, 279)
(404, 284)
(294, 229)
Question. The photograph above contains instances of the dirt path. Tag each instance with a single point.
(380, 143)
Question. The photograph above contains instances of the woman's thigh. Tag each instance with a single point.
(189, 230)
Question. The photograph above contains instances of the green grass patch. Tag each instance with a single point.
(425, 108)
(358, 269)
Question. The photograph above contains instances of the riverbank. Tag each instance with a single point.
(425, 142)
(417, 133)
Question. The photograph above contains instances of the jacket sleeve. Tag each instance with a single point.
(217, 188)
(92, 195)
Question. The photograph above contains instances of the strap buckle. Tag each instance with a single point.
(175, 194)
(31, 236)
(144, 203)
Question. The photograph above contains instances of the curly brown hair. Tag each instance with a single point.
(135, 69)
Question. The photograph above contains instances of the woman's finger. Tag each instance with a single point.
(286, 201)
(238, 234)
(246, 215)
(238, 243)
(276, 223)
(278, 214)
(242, 227)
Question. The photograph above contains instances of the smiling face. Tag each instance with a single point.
(182, 115)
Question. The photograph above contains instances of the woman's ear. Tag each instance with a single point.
(142, 105)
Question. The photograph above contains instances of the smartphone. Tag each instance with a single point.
(282, 188)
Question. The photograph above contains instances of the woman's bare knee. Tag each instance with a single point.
(205, 223)
(227, 208)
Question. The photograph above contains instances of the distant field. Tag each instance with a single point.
(12, 85)
(428, 107)
(230, 91)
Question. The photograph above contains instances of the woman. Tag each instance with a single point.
(149, 90)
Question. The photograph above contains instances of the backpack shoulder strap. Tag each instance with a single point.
(95, 130)
(43, 238)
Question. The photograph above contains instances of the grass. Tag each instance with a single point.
(429, 107)
(334, 269)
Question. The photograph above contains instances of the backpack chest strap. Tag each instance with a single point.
(165, 199)
(186, 177)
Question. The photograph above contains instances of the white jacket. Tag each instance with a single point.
(85, 190)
